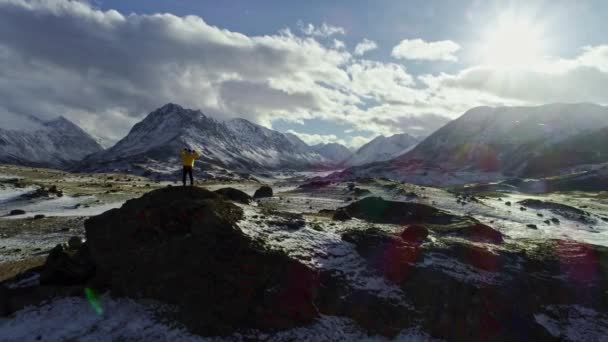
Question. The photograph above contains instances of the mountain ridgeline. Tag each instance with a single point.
(57, 143)
(237, 144)
(489, 143)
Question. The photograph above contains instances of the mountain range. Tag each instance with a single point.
(56, 143)
(488, 143)
(484, 144)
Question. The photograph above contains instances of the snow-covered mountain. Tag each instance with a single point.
(57, 143)
(493, 143)
(235, 145)
(335, 152)
(383, 148)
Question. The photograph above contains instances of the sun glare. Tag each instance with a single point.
(512, 42)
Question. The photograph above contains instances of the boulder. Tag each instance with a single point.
(63, 267)
(75, 242)
(263, 191)
(361, 192)
(341, 215)
(16, 212)
(182, 246)
(481, 233)
(415, 233)
(378, 210)
(235, 195)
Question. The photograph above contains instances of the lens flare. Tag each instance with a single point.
(94, 300)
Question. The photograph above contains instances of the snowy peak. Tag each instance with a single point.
(236, 144)
(383, 148)
(55, 143)
(504, 140)
(335, 152)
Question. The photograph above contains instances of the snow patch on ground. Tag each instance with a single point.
(574, 323)
(321, 250)
(60, 206)
(73, 318)
(8, 193)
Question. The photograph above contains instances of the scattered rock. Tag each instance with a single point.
(235, 195)
(539, 215)
(361, 192)
(263, 192)
(564, 210)
(508, 203)
(16, 212)
(38, 216)
(341, 215)
(316, 184)
(291, 221)
(555, 220)
(532, 226)
(522, 209)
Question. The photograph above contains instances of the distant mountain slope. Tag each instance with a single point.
(492, 143)
(57, 143)
(589, 147)
(236, 145)
(383, 148)
(335, 152)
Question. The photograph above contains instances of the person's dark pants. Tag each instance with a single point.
(187, 171)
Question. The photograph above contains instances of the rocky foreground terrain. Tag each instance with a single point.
(103, 256)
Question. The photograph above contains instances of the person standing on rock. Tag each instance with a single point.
(188, 157)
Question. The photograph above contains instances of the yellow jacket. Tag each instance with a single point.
(188, 158)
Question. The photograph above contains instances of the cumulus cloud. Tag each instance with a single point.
(106, 70)
(364, 46)
(324, 30)
(418, 49)
(352, 142)
(581, 79)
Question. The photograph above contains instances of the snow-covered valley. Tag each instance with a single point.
(297, 220)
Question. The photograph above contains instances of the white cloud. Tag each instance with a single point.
(313, 139)
(364, 46)
(113, 69)
(338, 44)
(418, 49)
(324, 30)
(352, 142)
(581, 79)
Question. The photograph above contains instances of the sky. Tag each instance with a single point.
(328, 71)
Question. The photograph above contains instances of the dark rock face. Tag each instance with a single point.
(235, 195)
(263, 191)
(182, 246)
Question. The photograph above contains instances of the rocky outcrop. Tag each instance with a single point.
(263, 192)
(378, 210)
(183, 246)
(235, 195)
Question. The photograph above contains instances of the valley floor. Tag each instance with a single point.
(48, 219)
